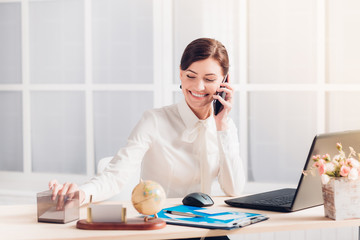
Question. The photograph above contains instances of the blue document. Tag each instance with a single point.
(208, 217)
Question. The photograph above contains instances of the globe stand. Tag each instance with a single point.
(147, 218)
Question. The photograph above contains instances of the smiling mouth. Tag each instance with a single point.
(198, 95)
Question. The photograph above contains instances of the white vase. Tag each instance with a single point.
(341, 198)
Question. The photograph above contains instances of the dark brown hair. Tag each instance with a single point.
(203, 48)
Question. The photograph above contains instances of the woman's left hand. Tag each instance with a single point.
(221, 117)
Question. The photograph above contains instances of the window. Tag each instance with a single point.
(76, 75)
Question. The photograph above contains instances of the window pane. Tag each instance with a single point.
(122, 41)
(11, 143)
(56, 30)
(58, 132)
(343, 40)
(190, 24)
(282, 126)
(282, 41)
(115, 115)
(342, 113)
(10, 43)
(189, 18)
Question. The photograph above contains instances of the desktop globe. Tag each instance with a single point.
(148, 198)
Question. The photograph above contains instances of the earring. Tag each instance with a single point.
(180, 86)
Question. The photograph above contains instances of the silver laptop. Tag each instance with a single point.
(308, 192)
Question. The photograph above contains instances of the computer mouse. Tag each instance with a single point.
(198, 199)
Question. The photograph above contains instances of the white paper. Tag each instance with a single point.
(211, 211)
(106, 213)
(225, 217)
(175, 216)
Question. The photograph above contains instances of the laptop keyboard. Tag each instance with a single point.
(277, 201)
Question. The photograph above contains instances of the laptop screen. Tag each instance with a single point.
(309, 192)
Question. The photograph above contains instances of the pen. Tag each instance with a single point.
(185, 214)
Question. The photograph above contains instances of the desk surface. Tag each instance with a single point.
(20, 222)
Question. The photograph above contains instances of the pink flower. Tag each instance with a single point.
(330, 167)
(326, 157)
(348, 161)
(339, 165)
(344, 171)
(354, 163)
(320, 165)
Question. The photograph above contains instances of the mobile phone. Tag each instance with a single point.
(216, 103)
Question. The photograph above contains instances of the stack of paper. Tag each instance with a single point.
(208, 217)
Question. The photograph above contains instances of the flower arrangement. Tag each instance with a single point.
(339, 166)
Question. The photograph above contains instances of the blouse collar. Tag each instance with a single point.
(192, 122)
(187, 115)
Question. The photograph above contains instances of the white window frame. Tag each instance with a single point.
(163, 87)
(25, 183)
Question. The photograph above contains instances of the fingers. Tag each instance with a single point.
(64, 192)
(72, 189)
(226, 103)
(226, 85)
(52, 183)
(228, 89)
(229, 93)
(64, 189)
(73, 198)
(220, 118)
(55, 187)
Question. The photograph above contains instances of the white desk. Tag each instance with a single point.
(20, 222)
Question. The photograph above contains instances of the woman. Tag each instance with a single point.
(184, 147)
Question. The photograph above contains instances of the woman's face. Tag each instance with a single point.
(200, 82)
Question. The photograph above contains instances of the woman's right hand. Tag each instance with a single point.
(62, 190)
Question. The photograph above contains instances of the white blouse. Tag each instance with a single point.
(177, 150)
